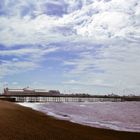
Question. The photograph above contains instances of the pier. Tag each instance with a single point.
(26, 95)
(63, 99)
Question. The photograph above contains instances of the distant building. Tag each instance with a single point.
(28, 91)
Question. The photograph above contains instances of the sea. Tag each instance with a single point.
(120, 116)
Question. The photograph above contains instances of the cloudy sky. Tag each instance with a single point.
(90, 46)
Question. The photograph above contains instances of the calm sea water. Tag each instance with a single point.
(122, 116)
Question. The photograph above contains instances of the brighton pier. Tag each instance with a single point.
(28, 95)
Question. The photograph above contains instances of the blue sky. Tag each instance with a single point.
(89, 46)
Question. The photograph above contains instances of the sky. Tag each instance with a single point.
(84, 46)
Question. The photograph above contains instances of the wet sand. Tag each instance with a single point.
(21, 123)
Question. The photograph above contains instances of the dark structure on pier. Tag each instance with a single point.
(30, 92)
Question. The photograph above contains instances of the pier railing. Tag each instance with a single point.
(37, 98)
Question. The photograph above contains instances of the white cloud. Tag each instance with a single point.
(114, 25)
(27, 31)
(10, 67)
(99, 20)
(32, 52)
(23, 59)
(15, 83)
(116, 66)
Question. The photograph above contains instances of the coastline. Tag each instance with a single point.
(20, 123)
(72, 112)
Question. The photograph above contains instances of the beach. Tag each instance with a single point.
(120, 116)
(22, 123)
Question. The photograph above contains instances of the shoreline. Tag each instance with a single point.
(65, 116)
(20, 123)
